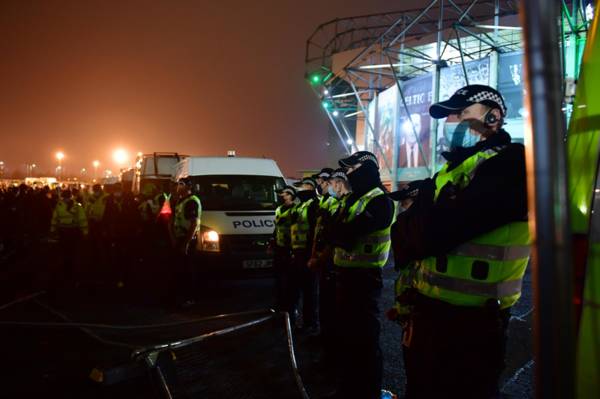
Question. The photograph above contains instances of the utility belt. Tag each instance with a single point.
(436, 308)
(359, 275)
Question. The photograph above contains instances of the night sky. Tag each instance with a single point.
(197, 77)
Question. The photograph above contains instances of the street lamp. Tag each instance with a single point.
(96, 164)
(60, 156)
(1, 168)
(120, 156)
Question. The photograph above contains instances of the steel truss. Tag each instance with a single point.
(382, 50)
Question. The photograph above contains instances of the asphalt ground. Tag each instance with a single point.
(57, 362)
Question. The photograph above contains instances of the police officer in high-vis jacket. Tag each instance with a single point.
(282, 250)
(186, 225)
(304, 283)
(467, 237)
(362, 243)
(326, 200)
(322, 261)
(95, 208)
(69, 224)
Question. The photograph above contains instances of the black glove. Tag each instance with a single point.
(409, 240)
(341, 236)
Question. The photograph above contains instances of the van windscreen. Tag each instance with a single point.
(237, 192)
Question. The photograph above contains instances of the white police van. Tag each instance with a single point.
(239, 198)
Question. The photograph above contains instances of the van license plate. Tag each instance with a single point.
(257, 264)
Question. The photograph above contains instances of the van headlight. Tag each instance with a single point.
(210, 241)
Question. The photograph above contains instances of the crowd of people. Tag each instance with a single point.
(103, 235)
(460, 244)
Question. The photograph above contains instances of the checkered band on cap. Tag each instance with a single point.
(338, 175)
(489, 96)
(289, 191)
(368, 157)
(309, 180)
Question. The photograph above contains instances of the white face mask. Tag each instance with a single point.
(458, 135)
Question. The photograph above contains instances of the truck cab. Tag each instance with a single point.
(239, 198)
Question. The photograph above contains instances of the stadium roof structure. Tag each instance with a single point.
(350, 61)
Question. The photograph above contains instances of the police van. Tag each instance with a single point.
(239, 198)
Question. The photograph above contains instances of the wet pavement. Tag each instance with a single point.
(59, 360)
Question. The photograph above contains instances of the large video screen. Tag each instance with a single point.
(414, 139)
(510, 84)
(399, 132)
(387, 118)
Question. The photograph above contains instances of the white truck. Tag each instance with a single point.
(155, 168)
(239, 198)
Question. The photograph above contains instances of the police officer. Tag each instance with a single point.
(467, 234)
(326, 207)
(304, 282)
(327, 204)
(362, 244)
(95, 208)
(118, 241)
(282, 251)
(322, 261)
(69, 224)
(325, 198)
(188, 213)
(339, 187)
(148, 207)
(403, 287)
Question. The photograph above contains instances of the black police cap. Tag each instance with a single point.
(359, 157)
(467, 96)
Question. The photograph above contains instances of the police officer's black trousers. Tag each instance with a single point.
(282, 268)
(96, 257)
(70, 245)
(185, 277)
(304, 283)
(454, 352)
(327, 312)
(357, 306)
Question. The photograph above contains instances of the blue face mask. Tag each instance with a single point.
(331, 191)
(458, 135)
